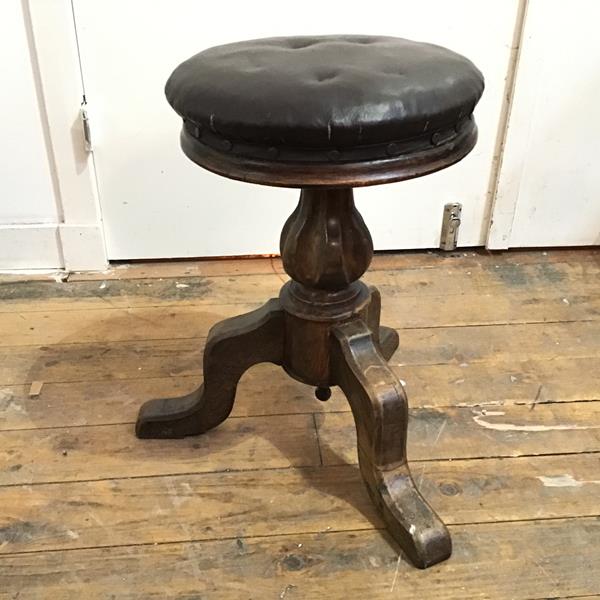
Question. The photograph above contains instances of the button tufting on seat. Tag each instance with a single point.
(323, 98)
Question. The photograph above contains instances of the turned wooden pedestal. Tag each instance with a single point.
(324, 330)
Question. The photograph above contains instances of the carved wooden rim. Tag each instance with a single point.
(332, 174)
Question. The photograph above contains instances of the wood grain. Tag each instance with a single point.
(406, 259)
(65, 454)
(103, 401)
(249, 510)
(567, 280)
(117, 401)
(407, 312)
(71, 454)
(456, 346)
(177, 508)
(461, 433)
(493, 560)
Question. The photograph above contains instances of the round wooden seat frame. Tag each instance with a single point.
(324, 329)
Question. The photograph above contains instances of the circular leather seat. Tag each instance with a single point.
(314, 100)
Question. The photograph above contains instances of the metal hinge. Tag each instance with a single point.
(450, 225)
(85, 123)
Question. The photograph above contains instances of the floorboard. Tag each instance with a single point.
(522, 561)
(499, 355)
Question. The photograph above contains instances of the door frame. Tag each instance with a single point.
(522, 83)
(55, 60)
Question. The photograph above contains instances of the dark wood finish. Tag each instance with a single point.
(324, 330)
(232, 347)
(380, 412)
(336, 173)
(325, 244)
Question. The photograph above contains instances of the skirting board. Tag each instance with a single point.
(83, 247)
(30, 247)
(52, 246)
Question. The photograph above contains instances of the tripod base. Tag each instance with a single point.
(356, 354)
(324, 330)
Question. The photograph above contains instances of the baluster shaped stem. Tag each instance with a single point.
(325, 244)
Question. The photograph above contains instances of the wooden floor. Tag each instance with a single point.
(501, 358)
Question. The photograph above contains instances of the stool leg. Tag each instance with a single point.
(232, 347)
(387, 337)
(388, 341)
(380, 412)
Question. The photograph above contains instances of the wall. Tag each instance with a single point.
(136, 147)
(28, 203)
(49, 211)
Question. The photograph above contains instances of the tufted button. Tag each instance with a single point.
(272, 152)
(334, 155)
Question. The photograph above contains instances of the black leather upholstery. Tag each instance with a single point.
(296, 97)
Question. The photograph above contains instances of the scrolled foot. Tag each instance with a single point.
(380, 412)
(409, 519)
(232, 347)
(173, 417)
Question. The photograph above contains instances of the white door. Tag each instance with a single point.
(549, 185)
(156, 203)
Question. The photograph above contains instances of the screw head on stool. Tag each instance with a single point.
(323, 393)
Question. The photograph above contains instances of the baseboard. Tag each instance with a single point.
(52, 246)
(83, 247)
(30, 246)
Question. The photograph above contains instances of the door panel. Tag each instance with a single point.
(158, 204)
(26, 188)
(548, 189)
